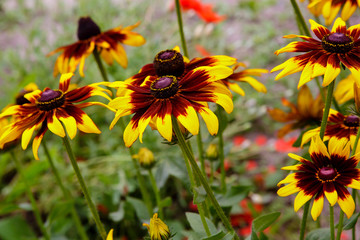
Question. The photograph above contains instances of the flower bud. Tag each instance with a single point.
(212, 152)
(146, 158)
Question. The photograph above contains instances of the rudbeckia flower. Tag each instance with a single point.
(328, 174)
(173, 55)
(338, 126)
(158, 230)
(245, 76)
(330, 8)
(345, 89)
(108, 44)
(51, 109)
(174, 92)
(308, 111)
(323, 56)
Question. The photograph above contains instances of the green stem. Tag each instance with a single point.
(220, 113)
(66, 193)
(181, 29)
(84, 189)
(144, 192)
(332, 225)
(356, 143)
(336, 105)
(353, 232)
(325, 116)
(201, 151)
(300, 17)
(304, 220)
(157, 194)
(100, 65)
(30, 195)
(186, 151)
(340, 225)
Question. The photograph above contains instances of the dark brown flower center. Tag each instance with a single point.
(337, 43)
(20, 99)
(164, 87)
(50, 99)
(169, 62)
(352, 121)
(87, 28)
(327, 174)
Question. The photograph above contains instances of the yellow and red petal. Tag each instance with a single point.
(332, 69)
(70, 125)
(288, 190)
(37, 140)
(339, 26)
(64, 82)
(292, 168)
(319, 30)
(317, 146)
(317, 206)
(210, 119)
(119, 55)
(348, 10)
(301, 199)
(330, 192)
(131, 133)
(55, 126)
(187, 116)
(27, 135)
(355, 184)
(346, 202)
(289, 179)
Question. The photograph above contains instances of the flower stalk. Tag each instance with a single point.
(304, 220)
(186, 151)
(84, 189)
(157, 194)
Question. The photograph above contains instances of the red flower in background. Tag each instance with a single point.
(204, 11)
(282, 145)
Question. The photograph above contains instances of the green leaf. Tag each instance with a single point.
(319, 234)
(261, 223)
(350, 223)
(196, 224)
(199, 194)
(234, 195)
(166, 202)
(15, 228)
(140, 208)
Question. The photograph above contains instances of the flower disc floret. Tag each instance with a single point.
(352, 121)
(327, 174)
(164, 87)
(87, 28)
(337, 42)
(169, 62)
(50, 99)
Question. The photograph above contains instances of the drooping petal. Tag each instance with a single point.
(330, 193)
(332, 70)
(289, 179)
(211, 121)
(347, 204)
(131, 133)
(188, 118)
(37, 140)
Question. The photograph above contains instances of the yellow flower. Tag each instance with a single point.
(158, 230)
(345, 89)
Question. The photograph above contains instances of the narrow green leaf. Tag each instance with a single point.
(350, 223)
(261, 223)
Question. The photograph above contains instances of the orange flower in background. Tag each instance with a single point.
(245, 76)
(324, 55)
(203, 10)
(308, 111)
(108, 44)
(51, 109)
